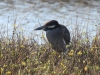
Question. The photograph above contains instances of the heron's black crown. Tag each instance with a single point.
(51, 25)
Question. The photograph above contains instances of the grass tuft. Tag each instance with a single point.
(21, 56)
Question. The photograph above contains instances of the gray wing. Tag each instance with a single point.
(66, 34)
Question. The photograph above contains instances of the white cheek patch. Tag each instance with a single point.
(51, 26)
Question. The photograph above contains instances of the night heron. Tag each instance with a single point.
(57, 34)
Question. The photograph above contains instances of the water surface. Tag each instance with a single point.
(26, 15)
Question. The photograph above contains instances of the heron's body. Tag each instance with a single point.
(57, 35)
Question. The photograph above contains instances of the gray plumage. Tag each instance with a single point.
(57, 35)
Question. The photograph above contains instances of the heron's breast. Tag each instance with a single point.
(54, 36)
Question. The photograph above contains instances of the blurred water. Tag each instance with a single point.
(29, 14)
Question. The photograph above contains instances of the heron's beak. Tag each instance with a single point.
(40, 28)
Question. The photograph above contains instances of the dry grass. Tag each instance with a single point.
(21, 56)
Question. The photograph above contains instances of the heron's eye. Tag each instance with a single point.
(53, 26)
